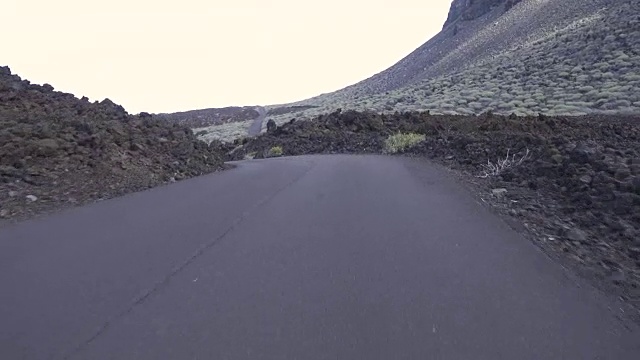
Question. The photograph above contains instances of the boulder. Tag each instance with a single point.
(576, 235)
(46, 147)
(271, 126)
(499, 192)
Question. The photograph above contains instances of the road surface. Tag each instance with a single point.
(327, 257)
(256, 126)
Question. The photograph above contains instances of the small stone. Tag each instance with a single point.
(271, 126)
(622, 173)
(448, 157)
(636, 184)
(617, 276)
(47, 146)
(13, 193)
(4, 213)
(557, 158)
(136, 147)
(576, 235)
(32, 198)
(586, 179)
(499, 192)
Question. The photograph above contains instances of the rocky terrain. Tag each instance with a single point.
(58, 151)
(574, 182)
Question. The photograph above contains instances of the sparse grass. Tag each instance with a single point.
(500, 165)
(225, 132)
(400, 142)
(275, 151)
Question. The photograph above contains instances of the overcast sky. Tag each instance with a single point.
(165, 56)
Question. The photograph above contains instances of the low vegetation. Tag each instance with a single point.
(250, 156)
(225, 132)
(499, 166)
(400, 142)
(275, 151)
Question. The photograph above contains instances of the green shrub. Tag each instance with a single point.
(275, 151)
(399, 142)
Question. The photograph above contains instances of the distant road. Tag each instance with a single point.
(316, 257)
(256, 126)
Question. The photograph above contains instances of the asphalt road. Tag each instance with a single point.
(332, 257)
(256, 125)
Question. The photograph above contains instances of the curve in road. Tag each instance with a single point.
(315, 257)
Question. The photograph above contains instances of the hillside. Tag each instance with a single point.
(57, 150)
(523, 57)
(213, 116)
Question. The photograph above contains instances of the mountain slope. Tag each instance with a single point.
(460, 41)
(524, 57)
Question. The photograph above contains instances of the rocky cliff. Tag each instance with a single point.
(463, 10)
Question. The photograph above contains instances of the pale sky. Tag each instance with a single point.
(166, 56)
